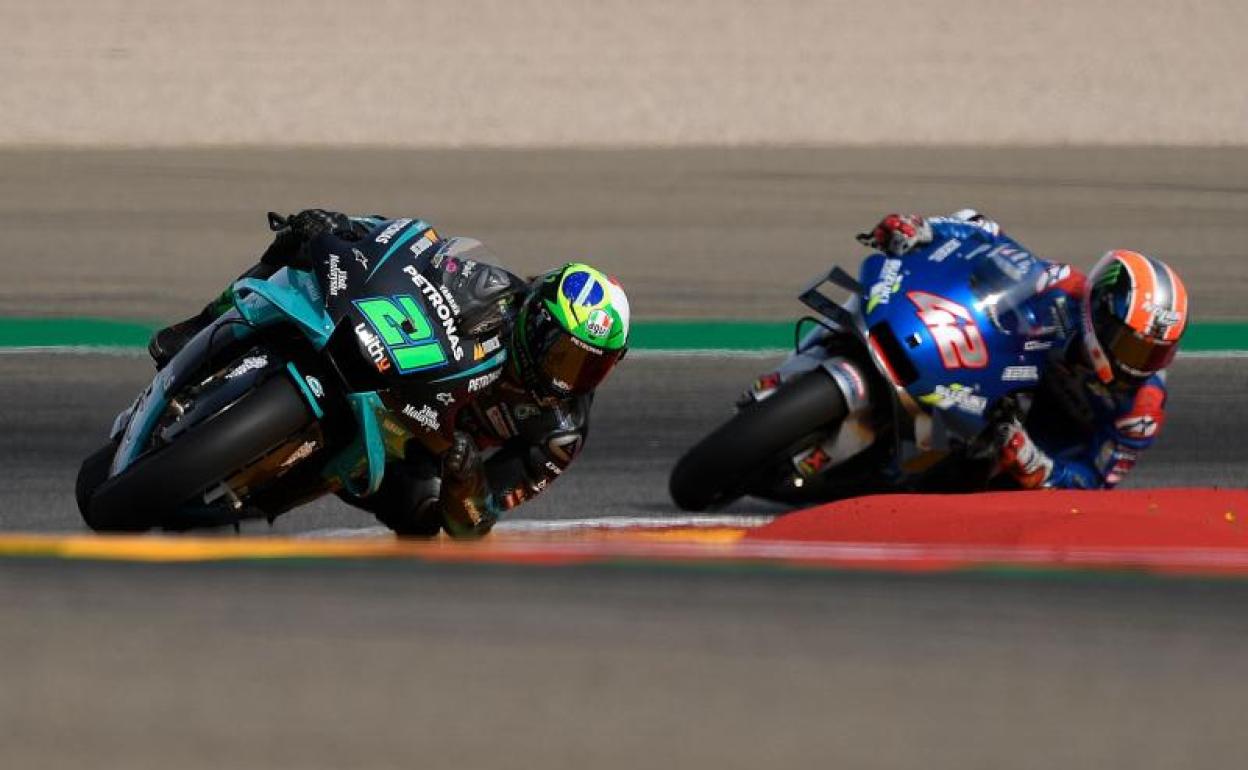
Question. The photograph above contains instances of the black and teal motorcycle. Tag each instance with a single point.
(309, 385)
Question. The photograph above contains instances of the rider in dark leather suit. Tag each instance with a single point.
(501, 438)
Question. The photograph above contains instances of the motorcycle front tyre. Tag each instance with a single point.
(145, 494)
(718, 469)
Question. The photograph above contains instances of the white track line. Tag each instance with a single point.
(74, 350)
(539, 526)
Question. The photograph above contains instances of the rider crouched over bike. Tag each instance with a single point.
(485, 443)
(1101, 400)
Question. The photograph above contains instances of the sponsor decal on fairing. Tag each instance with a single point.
(812, 462)
(956, 396)
(486, 347)
(950, 246)
(315, 386)
(440, 308)
(372, 343)
(305, 449)
(337, 276)
(888, 284)
(1020, 374)
(426, 416)
(484, 381)
(1012, 260)
(392, 230)
(1052, 276)
(422, 244)
(250, 363)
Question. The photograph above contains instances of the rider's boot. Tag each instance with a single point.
(166, 342)
(286, 249)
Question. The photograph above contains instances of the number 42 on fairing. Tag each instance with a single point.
(960, 345)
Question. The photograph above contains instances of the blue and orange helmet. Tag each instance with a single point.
(1136, 311)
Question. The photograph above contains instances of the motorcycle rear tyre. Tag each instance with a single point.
(717, 469)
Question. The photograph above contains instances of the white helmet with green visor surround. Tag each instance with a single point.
(571, 331)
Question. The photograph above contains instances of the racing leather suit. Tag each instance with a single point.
(518, 443)
(1089, 435)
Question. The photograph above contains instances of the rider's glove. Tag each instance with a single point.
(462, 460)
(1020, 457)
(973, 217)
(465, 497)
(310, 223)
(297, 230)
(897, 234)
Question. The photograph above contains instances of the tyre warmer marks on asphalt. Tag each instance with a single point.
(1159, 531)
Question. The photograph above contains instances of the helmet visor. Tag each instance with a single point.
(1134, 353)
(566, 366)
(572, 367)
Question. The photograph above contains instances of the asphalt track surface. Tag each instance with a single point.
(651, 410)
(716, 233)
(385, 665)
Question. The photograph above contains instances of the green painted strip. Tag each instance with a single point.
(73, 332)
(671, 335)
(712, 335)
(1214, 336)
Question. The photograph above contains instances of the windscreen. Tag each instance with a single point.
(1008, 284)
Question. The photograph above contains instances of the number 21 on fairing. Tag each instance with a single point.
(405, 331)
(960, 346)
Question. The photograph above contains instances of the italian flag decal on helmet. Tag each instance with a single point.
(591, 306)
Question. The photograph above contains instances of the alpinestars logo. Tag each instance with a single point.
(1137, 426)
(1052, 276)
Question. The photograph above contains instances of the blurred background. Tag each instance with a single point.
(715, 155)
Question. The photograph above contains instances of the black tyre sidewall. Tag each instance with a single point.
(717, 469)
(152, 490)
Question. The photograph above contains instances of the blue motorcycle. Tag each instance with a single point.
(896, 389)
